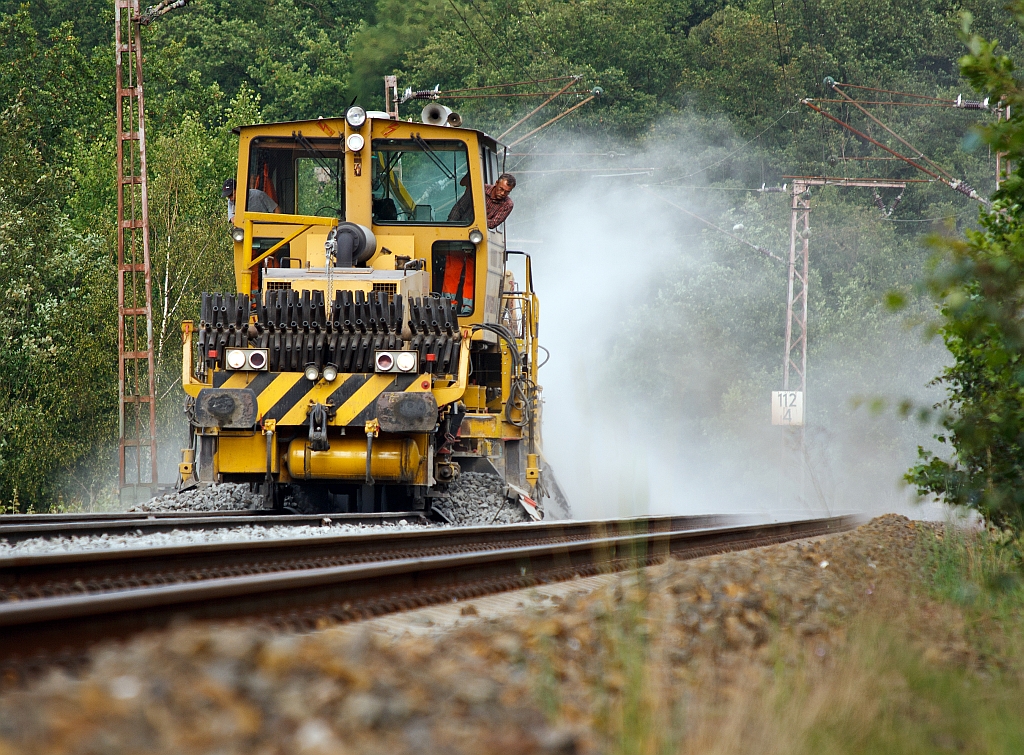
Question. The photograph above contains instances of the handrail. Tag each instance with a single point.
(266, 218)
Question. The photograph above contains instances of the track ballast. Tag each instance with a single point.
(292, 587)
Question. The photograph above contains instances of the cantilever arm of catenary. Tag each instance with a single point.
(961, 187)
(921, 155)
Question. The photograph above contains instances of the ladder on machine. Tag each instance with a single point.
(137, 460)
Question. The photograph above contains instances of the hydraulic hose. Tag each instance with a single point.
(517, 387)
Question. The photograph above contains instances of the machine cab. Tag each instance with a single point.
(404, 201)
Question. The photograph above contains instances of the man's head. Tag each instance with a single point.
(228, 190)
(503, 186)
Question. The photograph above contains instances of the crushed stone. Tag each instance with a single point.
(475, 499)
(228, 534)
(478, 498)
(540, 679)
(205, 496)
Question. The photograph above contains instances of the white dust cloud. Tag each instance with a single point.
(602, 249)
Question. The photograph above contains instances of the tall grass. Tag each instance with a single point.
(978, 569)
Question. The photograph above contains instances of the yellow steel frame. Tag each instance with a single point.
(253, 218)
(418, 239)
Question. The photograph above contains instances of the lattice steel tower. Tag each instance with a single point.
(136, 366)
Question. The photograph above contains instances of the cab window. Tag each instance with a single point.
(422, 182)
(488, 164)
(303, 176)
(453, 273)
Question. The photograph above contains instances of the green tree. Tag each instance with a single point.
(58, 386)
(979, 285)
(59, 95)
(192, 251)
(735, 66)
(200, 57)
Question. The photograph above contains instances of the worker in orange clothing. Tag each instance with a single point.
(459, 276)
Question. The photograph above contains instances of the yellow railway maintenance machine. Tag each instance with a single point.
(377, 345)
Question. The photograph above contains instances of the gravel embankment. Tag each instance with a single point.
(543, 680)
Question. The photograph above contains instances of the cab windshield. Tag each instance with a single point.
(421, 181)
(302, 176)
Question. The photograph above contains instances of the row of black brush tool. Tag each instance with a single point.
(296, 329)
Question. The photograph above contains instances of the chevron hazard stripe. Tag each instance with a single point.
(287, 396)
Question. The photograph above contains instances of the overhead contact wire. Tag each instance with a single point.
(537, 109)
(504, 42)
(956, 185)
(473, 36)
(550, 122)
(867, 138)
(499, 86)
(733, 236)
(731, 154)
(891, 91)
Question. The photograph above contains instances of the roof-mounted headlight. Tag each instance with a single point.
(355, 116)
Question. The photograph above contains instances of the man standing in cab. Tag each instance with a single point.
(496, 199)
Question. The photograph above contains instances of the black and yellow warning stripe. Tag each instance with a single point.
(287, 396)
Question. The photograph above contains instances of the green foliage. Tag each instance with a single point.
(981, 571)
(293, 54)
(734, 60)
(695, 83)
(57, 383)
(382, 46)
(624, 46)
(979, 284)
(192, 251)
(58, 94)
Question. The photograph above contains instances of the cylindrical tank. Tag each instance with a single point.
(394, 460)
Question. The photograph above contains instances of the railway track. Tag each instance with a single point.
(307, 583)
(18, 527)
(109, 570)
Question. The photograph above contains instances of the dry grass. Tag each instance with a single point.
(931, 663)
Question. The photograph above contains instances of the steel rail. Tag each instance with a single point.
(54, 628)
(109, 516)
(33, 577)
(118, 524)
